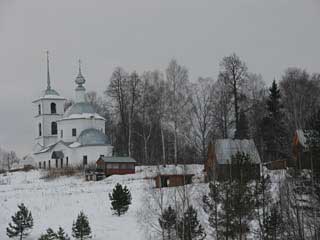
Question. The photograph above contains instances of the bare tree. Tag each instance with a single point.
(177, 78)
(201, 113)
(234, 71)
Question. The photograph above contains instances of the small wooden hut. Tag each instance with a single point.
(116, 165)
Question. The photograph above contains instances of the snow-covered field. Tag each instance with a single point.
(57, 202)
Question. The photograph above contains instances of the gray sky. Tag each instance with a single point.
(269, 35)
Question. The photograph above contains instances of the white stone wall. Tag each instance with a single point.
(46, 118)
(75, 155)
(79, 124)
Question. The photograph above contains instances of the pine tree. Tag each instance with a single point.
(61, 235)
(81, 228)
(241, 193)
(22, 222)
(120, 199)
(168, 222)
(226, 216)
(243, 127)
(189, 227)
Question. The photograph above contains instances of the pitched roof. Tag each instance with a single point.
(117, 159)
(226, 148)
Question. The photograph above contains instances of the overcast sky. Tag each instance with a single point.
(268, 35)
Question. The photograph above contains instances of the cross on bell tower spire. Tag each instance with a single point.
(48, 72)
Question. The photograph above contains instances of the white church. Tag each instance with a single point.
(75, 137)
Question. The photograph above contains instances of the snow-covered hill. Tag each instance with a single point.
(57, 202)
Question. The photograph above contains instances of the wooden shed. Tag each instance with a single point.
(116, 165)
(172, 180)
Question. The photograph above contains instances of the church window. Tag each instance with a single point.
(74, 132)
(54, 128)
(39, 109)
(53, 108)
(40, 129)
(85, 160)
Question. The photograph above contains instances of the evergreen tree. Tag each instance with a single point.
(50, 235)
(226, 216)
(81, 228)
(61, 235)
(241, 193)
(22, 221)
(120, 199)
(273, 126)
(211, 203)
(168, 222)
(242, 132)
(189, 227)
(273, 224)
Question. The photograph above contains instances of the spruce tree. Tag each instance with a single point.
(189, 227)
(81, 228)
(273, 128)
(22, 222)
(120, 199)
(168, 222)
(242, 132)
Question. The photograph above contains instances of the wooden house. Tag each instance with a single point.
(302, 156)
(116, 165)
(174, 175)
(218, 165)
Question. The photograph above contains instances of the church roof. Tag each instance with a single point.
(81, 110)
(92, 136)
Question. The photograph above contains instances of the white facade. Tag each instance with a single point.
(74, 137)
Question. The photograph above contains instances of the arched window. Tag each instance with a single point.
(54, 128)
(40, 130)
(53, 108)
(39, 109)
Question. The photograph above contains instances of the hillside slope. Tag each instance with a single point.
(57, 202)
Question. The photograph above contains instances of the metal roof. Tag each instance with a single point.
(117, 159)
(79, 108)
(92, 136)
(226, 148)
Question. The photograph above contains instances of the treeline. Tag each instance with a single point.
(165, 117)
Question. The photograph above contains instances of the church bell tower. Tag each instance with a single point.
(48, 108)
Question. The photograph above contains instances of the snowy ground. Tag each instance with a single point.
(57, 202)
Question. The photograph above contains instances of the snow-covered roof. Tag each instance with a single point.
(93, 136)
(301, 137)
(226, 148)
(118, 159)
(177, 169)
(81, 110)
(83, 116)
